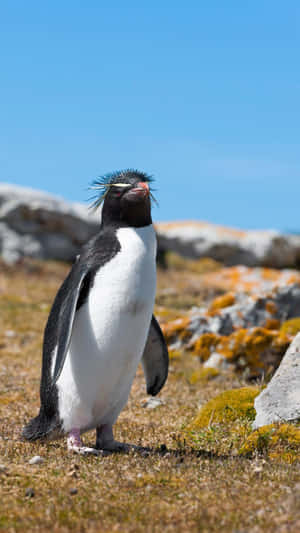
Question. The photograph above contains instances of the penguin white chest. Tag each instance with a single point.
(109, 334)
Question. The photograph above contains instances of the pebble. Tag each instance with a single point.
(3, 469)
(10, 333)
(36, 460)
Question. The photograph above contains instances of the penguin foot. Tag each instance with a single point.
(105, 441)
(75, 444)
(84, 450)
(116, 446)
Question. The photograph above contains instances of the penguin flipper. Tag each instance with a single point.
(155, 359)
(66, 319)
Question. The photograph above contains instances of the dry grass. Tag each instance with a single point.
(174, 487)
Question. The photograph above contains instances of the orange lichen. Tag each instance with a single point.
(205, 345)
(245, 347)
(250, 280)
(272, 323)
(221, 230)
(271, 307)
(226, 300)
(176, 328)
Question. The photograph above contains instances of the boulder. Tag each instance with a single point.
(230, 246)
(37, 224)
(280, 401)
(40, 225)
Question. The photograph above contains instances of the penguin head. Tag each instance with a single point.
(126, 198)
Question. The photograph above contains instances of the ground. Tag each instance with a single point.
(180, 484)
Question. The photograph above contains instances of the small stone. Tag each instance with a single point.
(3, 469)
(10, 333)
(163, 448)
(73, 491)
(30, 492)
(152, 403)
(36, 460)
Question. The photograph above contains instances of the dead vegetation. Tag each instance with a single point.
(176, 484)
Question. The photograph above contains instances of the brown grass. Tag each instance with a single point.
(175, 487)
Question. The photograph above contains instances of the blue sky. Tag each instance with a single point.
(204, 95)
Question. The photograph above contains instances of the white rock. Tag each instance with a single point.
(36, 460)
(216, 360)
(37, 224)
(280, 401)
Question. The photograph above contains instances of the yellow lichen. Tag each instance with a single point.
(228, 406)
(221, 302)
(175, 354)
(203, 375)
(291, 327)
(198, 266)
(278, 442)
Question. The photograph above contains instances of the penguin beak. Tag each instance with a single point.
(142, 191)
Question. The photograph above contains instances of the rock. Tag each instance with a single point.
(3, 470)
(215, 361)
(230, 246)
(30, 492)
(36, 460)
(40, 225)
(280, 401)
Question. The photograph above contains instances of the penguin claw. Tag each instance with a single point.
(84, 450)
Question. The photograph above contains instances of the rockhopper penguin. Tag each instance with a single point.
(101, 325)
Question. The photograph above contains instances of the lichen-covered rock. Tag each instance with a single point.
(280, 401)
(40, 225)
(277, 442)
(230, 246)
(249, 330)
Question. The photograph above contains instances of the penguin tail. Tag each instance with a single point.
(41, 427)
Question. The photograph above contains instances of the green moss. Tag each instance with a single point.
(228, 406)
(291, 327)
(278, 442)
